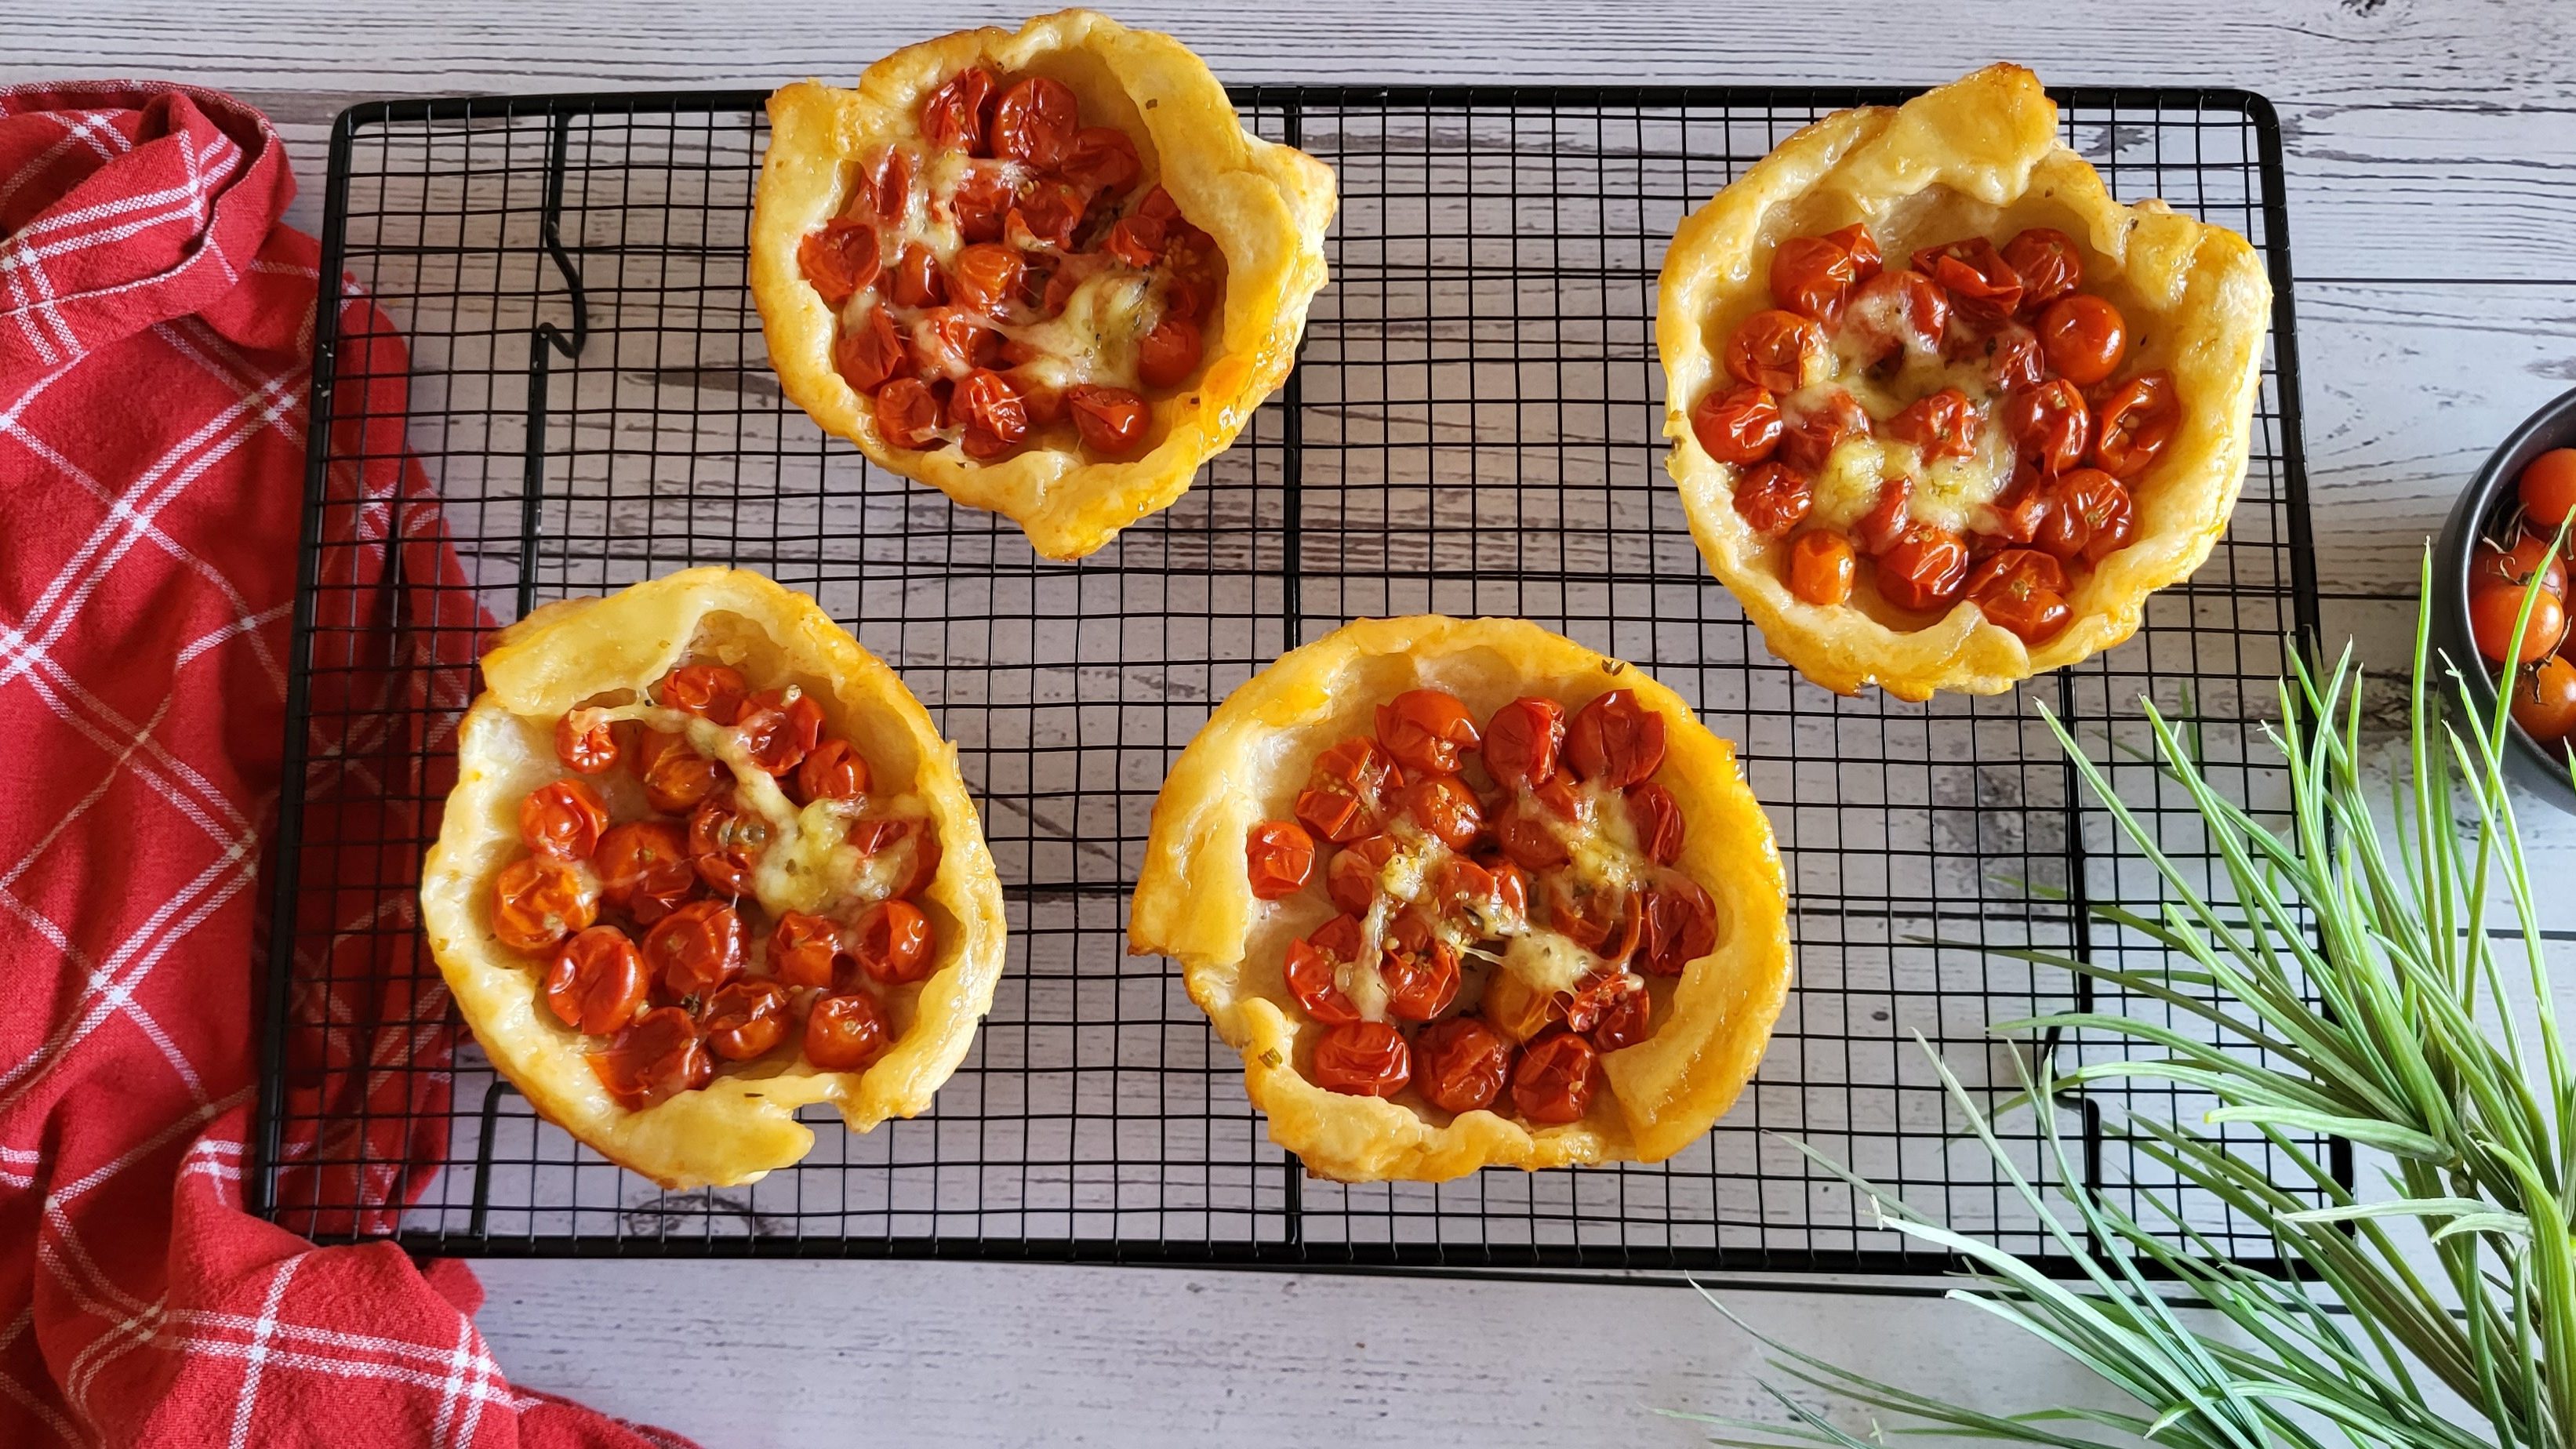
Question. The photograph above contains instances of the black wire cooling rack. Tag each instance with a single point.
(1473, 428)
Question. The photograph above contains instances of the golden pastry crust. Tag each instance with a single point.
(1977, 157)
(1266, 204)
(573, 652)
(1194, 903)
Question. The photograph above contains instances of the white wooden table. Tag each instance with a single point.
(2432, 172)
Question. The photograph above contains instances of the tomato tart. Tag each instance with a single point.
(707, 861)
(1466, 894)
(1046, 272)
(1943, 412)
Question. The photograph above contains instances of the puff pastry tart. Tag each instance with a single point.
(1467, 894)
(1944, 413)
(707, 861)
(1048, 273)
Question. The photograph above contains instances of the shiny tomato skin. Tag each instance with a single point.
(1944, 424)
(1169, 353)
(2084, 338)
(1553, 1083)
(845, 1032)
(1861, 246)
(596, 983)
(1615, 741)
(644, 869)
(2547, 488)
(2530, 552)
(1924, 569)
(1983, 287)
(1035, 121)
(919, 280)
(1812, 276)
(713, 692)
(1808, 438)
(2023, 591)
(563, 819)
(1678, 925)
(1352, 878)
(2089, 516)
(871, 354)
(1772, 498)
(2046, 261)
(1362, 1059)
(2544, 700)
(1738, 425)
(1898, 311)
(1102, 158)
(779, 728)
(537, 902)
(805, 950)
(2049, 424)
(1445, 809)
(744, 1020)
(1821, 567)
(1460, 1064)
(2133, 425)
(840, 259)
(1884, 525)
(958, 114)
(1420, 970)
(1279, 858)
(696, 948)
(726, 843)
(907, 413)
(985, 277)
(1778, 350)
(832, 770)
(891, 941)
(1110, 420)
(1310, 971)
(2493, 610)
(1428, 730)
(1657, 818)
(1522, 740)
(654, 1059)
(585, 743)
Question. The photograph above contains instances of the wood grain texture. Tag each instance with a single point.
(2433, 227)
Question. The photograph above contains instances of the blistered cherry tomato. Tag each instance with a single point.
(1856, 240)
(1136, 240)
(537, 902)
(891, 942)
(2493, 611)
(1461, 1064)
(2548, 488)
(1883, 527)
(1168, 354)
(1778, 350)
(745, 1019)
(563, 819)
(2084, 338)
(1983, 287)
(2049, 424)
(1944, 424)
(1773, 497)
(596, 983)
(950, 342)
(955, 114)
(1347, 795)
(986, 404)
(2530, 551)
(1529, 841)
(1352, 878)
(985, 277)
(888, 190)
(1445, 809)
(779, 728)
(1614, 741)
(840, 259)
(1737, 425)
(1657, 818)
(1581, 1009)
(1102, 158)
(1310, 966)
(1280, 858)
(1812, 276)
(1678, 925)
(1593, 916)
(656, 1058)
(844, 1033)
(585, 743)
(2010, 358)
(918, 280)
(644, 869)
(1898, 311)
(1362, 1059)
(1035, 121)
(803, 949)
(2046, 261)
(1420, 970)
(2022, 590)
(713, 692)
(1821, 567)
(1427, 730)
(832, 770)
(2133, 425)
(696, 948)
(1522, 740)
(1924, 568)
(2089, 516)
(1553, 1082)
(908, 413)
(1046, 214)
(1480, 894)
(1809, 436)
(911, 847)
(2544, 700)
(726, 843)
(1110, 420)
(676, 776)
(1626, 1015)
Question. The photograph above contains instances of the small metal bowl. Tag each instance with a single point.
(2483, 510)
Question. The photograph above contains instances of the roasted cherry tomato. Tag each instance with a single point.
(889, 188)
(1821, 567)
(713, 692)
(1515, 1008)
(1168, 354)
(1614, 741)
(1279, 857)
(1983, 287)
(1347, 796)
(2133, 425)
(918, 280)
(1924, 568)
(726, 843)
(563, 819)
(1773, 497)
(2530, 552)
(1737, 425)
(2089, 516)
(2012, 359)
(1427, 730)
(644, 869)
(1511, 885)
(1469, 891)
(596, 983)
(909, 845)
(1898, 311)
(1678, 925)
(1944, 424)
(1102, 158)
(1856, 240)
(1035, 121)
(745, 1019)
(537, 902)
(656, 1058)
(696, 948)
(676, 776)
(1445, 809)
(1657, 818)
(1625, 1016)
(585, 743)
(1552, 1084)
(844, 1033)
(957, 113)
(1778, 350)
(1420, 969)
(1136, 240)
(1809, 436)
(991, 411)
(1352, 878)
(1045, 214)
(2022, 590)
(1812, 276)
(1461, 1064)
(2084, 338)
(891, 942)
(2544, 701)
(833, 770)
(804, 949)
(908, 413)
(950, 342)
(1362, 1059)
(2548, 488)
(1581, 1009)
(985, 277)
(1884, 525)
(2046, 261)
(840, 259)
(1522, 740)
(1110, 420)
(2493, 611)
(1311, 965)
(779, 728)
(1593, 916)
(2049, 424)
(1529, 841)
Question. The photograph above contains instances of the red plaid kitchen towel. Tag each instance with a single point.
(156, 331)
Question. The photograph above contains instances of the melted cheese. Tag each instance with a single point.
(1547, 962)
(1948, 492)
(1094, 339)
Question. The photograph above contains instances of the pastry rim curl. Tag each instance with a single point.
(1194, 903)
(740, 1126)
(1992, 139)
(1267, 205)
